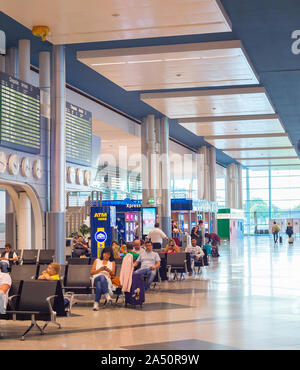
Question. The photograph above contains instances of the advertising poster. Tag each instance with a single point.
(149, 219)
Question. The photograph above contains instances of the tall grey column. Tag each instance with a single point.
(239, 186)
(24, 60)
(200, 174)
(165, 177)
(149, 165)
(10, 222)
(212, 177)
(231, 188)
(44, 82)
(11, 61)
(2, 63)
(24, 223)
(212, 173)
(205, 173)
(56, 216)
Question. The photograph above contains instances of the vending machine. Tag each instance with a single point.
(130, 219)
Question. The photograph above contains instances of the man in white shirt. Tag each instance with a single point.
(156, 236)
(196, 252)
(7, 258)
(150, 262)
(5, 284)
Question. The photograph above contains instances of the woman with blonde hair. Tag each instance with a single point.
(172, 247)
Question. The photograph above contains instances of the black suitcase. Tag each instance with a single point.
(280, 239)
(132, 297)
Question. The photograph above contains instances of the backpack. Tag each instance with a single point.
(276, 227)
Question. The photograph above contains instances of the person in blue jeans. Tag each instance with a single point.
(102, 270)
(150, 262)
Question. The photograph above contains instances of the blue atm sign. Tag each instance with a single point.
(100, 236)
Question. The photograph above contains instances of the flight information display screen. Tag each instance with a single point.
(78, 135)
(20, 125)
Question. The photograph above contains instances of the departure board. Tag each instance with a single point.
(78, 135)
(20, 126)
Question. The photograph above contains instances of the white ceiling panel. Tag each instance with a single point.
(207, 103)
(260, 153)
(250, 142)
(270, 162)
(234, 127)
(77, 21)
(173, 66)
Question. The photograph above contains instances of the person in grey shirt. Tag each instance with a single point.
(150, 262)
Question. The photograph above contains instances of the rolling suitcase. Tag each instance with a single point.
(280, 239)
(136, 296)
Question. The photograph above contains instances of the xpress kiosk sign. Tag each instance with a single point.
(102, 221)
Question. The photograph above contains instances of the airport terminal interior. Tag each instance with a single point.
(149, 156)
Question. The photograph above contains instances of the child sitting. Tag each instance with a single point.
(51, 273)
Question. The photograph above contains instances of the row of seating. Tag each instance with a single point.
(36, 300)
(33, 256)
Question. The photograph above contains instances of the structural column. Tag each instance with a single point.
(24, 224)
(24, 60)
(232, 197)
(212, 174)
(56, 216)
(10, 221)
(239, 186)
(165, 177)
(149, 168)
(11, 61)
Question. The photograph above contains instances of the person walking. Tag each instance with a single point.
(275, 232)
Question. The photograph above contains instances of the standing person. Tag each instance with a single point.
(136, 231)
(289, 230)
(196, 234)
(201, 230)
(156, 236)
(150, 262)
(8, 258)
(275, 231)
(102, 271)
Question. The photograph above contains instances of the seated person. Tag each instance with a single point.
(137, 247)
(5, 284)
(81, 248)
(172, 247)
(116, 249)
(215, 241)
(129, 248)
(103, 270)
(150, 262)
(51, 273)
(196, 252)
(207, 247)
(8, 258)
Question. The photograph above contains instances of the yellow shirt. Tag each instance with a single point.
(54, 277)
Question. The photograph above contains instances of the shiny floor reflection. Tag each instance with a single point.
(249, 298)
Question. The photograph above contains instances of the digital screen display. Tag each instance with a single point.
(149, 219)
(20, 126)
(78, 135)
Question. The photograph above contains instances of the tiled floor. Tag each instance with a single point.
(249, 298)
